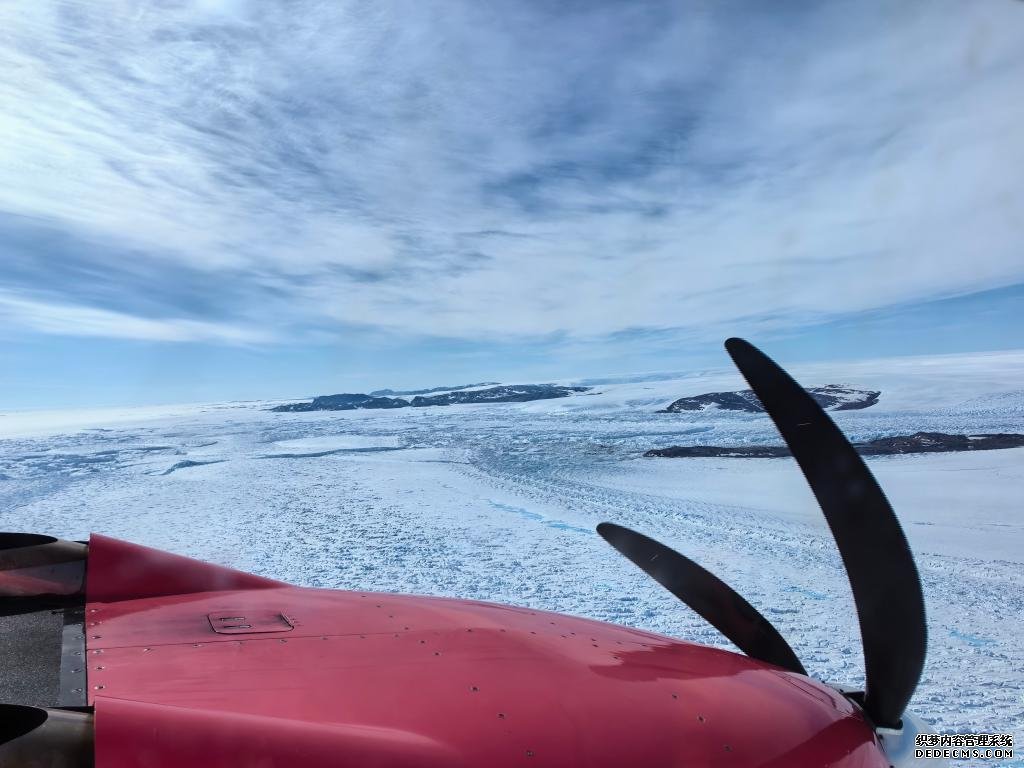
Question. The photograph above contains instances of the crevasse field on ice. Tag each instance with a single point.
(499, 502)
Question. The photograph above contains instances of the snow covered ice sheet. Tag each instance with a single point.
(499, 502)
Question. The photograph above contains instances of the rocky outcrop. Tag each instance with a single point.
(404, 392)
(728, 401)
(517, 393)
(832, 397)
(344, 402)
(715, 451)
(919, 442)
(938, 442)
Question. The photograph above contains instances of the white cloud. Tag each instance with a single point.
(70, 320)
(648, 170)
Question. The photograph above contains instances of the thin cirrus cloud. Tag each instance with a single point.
(88, 321)
(244, 172)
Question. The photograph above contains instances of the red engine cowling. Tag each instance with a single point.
(193, 664)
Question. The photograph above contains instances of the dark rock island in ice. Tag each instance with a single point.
(511, 393)
(919, 442)
(831, 397)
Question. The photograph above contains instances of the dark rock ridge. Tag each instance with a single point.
(716, 451)
(832, 397)
(919, 442)
(517, 393)
(402, 392)
(348, 402)
(345, 402)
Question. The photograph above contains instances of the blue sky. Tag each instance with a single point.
(224, 199)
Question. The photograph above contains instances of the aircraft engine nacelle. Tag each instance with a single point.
(34, 737)
(32, 566)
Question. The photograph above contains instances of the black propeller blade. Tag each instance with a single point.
(706, 594)
(883, 577)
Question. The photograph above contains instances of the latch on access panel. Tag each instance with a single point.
(246, 622)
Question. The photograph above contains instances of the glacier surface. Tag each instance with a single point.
(499, 502)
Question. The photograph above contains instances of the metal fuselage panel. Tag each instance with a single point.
(252, 670)
(494, 683)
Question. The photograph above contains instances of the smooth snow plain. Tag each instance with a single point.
(499, 502)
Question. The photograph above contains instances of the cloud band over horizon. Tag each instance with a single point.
(240, 173)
